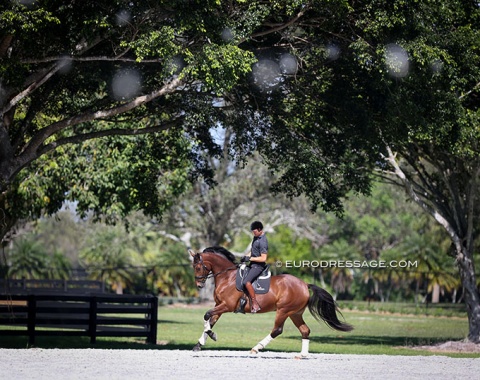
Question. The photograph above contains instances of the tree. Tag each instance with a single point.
(431, 268)
(161, 260)
(341, 277)
(63, 233)
(209, 215)
(385, 87)
(27, 259)
(120, 69)
(58, 266)
(106, 258)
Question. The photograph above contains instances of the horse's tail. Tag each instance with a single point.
(323, 307)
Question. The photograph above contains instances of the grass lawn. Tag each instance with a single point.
(375, 333)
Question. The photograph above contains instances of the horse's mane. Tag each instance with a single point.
(222, 251)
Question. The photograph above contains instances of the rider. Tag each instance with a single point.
(257, 258)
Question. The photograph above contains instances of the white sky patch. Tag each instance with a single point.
(65, 64)
(288, 64)
(123, 18)
(333, 52)
(27, 3)
(437, 66)
(175, 65)
(227, 35)
(266, 74)
(397, 61)
(126, 84)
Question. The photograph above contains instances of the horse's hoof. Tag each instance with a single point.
(253, 351)
(197, 347)
(212, 335)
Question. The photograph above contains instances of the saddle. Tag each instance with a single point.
(261, 285)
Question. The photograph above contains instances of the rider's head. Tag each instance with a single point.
(256, 226)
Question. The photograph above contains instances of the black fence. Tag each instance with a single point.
(93, 315)
(24, 286)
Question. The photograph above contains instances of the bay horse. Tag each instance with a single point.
(288, 296)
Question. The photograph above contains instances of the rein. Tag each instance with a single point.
(209, 274)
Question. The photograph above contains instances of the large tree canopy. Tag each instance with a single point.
(387, 87)
(77, 72)
(330, 92)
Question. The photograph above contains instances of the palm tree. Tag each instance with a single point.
(106, 257)
(176, 265)
(27, 259)
(168, 268)
(433, 267)
(58, 266)
(341, 275)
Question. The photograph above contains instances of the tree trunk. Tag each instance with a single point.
(471, 293)
(6, 225)
(119, 288)
(436, 293)
(460, 229)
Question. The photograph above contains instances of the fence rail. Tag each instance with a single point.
(24, 286)
(93, 315)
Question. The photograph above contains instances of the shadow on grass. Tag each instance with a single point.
(368, 340)
(162, 321)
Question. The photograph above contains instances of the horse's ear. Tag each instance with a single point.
(191, 253)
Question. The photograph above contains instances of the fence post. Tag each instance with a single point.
(92, 319)
(152, 336)
(31, 317)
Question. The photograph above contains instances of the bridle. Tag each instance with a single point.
(209, 273)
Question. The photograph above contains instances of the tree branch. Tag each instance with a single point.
(279, 27)
(46, 132)
(118, 58)
(77, 139)
(413, 194)
(469, 92)
(32, 87)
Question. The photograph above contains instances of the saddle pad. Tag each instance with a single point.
(261, 285)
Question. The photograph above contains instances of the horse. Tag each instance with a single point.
(288, 296)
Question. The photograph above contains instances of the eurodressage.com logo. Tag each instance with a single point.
(366, 264)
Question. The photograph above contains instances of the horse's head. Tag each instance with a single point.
(200, 269)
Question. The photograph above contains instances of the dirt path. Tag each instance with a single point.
(92, 364)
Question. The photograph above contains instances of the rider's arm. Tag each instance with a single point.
(261, 259)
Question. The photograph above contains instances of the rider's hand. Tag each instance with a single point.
(245, 259)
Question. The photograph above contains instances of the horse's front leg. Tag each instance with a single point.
(209, 319)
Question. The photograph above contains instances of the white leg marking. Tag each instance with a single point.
(262, 344)
(305, 347)
(206, 327)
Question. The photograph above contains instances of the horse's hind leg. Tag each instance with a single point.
(280, 319)
(298, 321)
